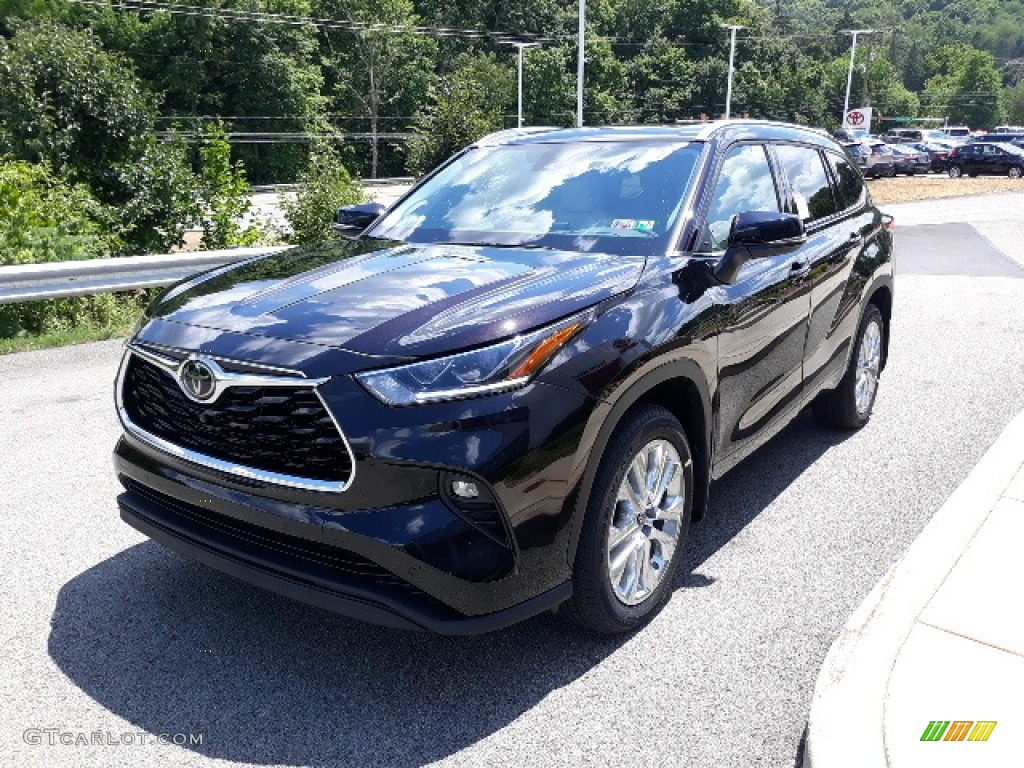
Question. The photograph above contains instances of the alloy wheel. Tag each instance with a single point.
(869, 362)
(646, 523)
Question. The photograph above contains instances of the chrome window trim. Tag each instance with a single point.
(221, 465)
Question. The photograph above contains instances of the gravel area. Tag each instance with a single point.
(901, 189)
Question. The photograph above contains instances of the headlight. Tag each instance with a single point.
(496, 368)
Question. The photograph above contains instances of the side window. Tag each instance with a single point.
(745, 183)
(812, 191)
(849, 184)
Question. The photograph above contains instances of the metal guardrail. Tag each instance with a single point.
(382, 182)
(60, 279)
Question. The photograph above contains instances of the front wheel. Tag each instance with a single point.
(955, 172)
(849, 405)
(1014, 172)
(635, 524)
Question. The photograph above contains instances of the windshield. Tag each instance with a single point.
(612, 197)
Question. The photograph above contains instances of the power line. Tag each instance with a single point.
(264, 17)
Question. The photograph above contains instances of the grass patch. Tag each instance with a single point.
(76, 320)
(63, 338)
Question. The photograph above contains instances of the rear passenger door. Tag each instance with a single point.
(828, 194)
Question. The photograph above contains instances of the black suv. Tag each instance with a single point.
(999, 159)
(514, 389)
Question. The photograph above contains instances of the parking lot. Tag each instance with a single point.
(105, 632)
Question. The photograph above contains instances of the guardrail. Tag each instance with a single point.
(381, 182)
(60, 279)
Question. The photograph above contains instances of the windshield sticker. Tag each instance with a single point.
(640, 225)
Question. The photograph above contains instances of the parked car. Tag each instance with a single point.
(874, 158)
(938, 154)
(513, 390)
(1009, 129)
(906, 135)
(957, 132)
(997, 138)
(1002, 159)
(908, 160)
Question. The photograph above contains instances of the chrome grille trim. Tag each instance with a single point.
(221, 465)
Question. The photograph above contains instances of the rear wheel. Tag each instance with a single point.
(1015, 172)
(955, 172)
(849, 405)
(635, 524)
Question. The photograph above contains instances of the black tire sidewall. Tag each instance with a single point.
(872, 314)
(596, 603)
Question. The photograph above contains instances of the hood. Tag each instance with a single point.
(379, 298)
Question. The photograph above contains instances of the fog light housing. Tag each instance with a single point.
(465, 489)
(472, 500)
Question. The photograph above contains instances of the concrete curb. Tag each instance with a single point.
(846, 721)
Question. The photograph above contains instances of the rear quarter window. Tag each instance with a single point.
(849, 184)
(812, 190)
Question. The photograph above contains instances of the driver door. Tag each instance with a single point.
(763, 313)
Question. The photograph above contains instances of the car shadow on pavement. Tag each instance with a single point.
(174, 647)
(755, 483)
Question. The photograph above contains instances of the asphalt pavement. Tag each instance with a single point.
(107, 637)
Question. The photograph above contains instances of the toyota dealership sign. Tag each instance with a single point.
(858, 120)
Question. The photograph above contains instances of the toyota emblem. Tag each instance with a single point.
(198, 380)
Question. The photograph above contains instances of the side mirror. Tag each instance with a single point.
(761, 228)
(758, 233)
(357, 217)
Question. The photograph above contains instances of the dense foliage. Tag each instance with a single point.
(325, 186)
(381, 72)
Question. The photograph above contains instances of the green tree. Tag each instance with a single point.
(325, 187)
(223, 192)
(67, 102)
(380, 74)
(965, 87)
(456, 116)
(43, 218)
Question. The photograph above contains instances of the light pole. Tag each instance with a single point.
(521, 47)
(849, 75)
(579, 64)
(733, 29)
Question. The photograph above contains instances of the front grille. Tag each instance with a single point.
(285, 430)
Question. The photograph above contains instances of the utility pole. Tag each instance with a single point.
(579, 64)
(733, 29)
(853, 54)
(521, 47)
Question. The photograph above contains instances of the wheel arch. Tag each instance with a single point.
(680, 387)
(881, 297)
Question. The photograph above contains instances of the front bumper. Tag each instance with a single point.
(348, 586)
(391, 548)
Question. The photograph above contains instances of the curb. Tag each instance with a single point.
(846, 722)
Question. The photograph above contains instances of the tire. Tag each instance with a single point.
(890, 172)
(1015, 172)
(955, 172)
(973, 175)
(598, 603)
(840, 407)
